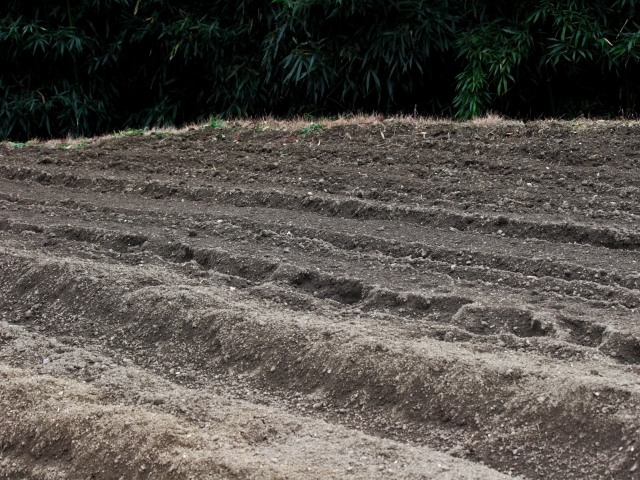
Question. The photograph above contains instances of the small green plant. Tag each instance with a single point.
(215, 123)
(130, 131)
(70, 145)
(314, 127)
(19, 144)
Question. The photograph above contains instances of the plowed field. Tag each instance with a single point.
(380, 300)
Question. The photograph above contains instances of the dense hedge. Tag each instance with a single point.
(89, 66)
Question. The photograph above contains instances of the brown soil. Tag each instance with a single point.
(382, 300)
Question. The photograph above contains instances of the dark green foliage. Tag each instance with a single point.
(91, 66)
(311, 128)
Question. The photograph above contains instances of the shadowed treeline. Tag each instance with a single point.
(93, 66)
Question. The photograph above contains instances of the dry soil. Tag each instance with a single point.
(389, 300)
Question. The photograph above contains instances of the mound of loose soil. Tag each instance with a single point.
(387, 300)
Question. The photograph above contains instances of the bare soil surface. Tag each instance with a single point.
(381, 300)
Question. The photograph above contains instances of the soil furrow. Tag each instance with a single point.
(447, 394)
(419, 249)
(566, 231)
(128, 422)
(415, 304)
